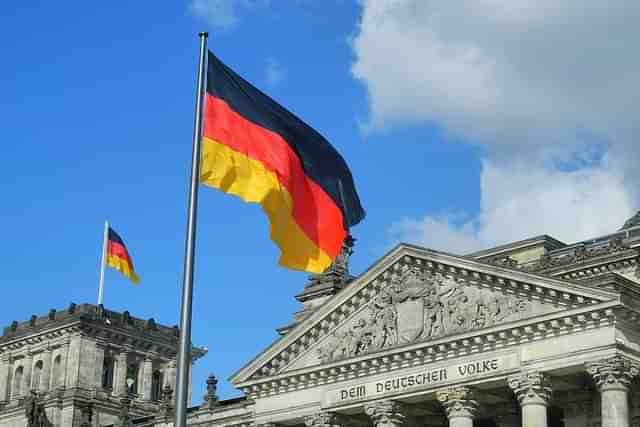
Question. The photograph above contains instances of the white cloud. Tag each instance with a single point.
(518, 203)
(537, 83)
(223, 14)
(274, 73)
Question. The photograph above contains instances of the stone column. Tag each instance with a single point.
(323, 419)
(120, 380)
(533, 391)
(101, 350)
(5, 368)
(613, 377)
(26, 378)
(459, 404)
(147, 378)
(64, 352)
(45, 375)
(385, 413)
(171, 374)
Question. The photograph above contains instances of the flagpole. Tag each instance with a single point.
(103, 263)
(184, 348)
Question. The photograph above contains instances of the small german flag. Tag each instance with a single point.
(255, 149)
(118, 256)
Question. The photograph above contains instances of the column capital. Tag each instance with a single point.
(385, 413)
(458, 402)
(614, 373)
(323, 419)
(531, 388)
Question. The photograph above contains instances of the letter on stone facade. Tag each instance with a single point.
(386, 413)
(613, 377)
(459, 404)
(533, 391)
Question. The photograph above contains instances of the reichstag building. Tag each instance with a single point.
(535, 333)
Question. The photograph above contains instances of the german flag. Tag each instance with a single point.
(118, 256)
(254, 148)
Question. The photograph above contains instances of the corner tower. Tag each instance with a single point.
(81, 363)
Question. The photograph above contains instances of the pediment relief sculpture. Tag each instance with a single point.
(421, 306)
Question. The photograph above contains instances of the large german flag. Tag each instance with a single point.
(118, 256)
(255, 149)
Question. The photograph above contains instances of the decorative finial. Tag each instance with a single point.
(211, 398)
(338, 272)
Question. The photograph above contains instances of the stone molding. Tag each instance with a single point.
(386, 412)
(323, 419)
(476, 342)
(531, 388)
(458, 402)
(620, 261)
(615, 373)
(362, 295)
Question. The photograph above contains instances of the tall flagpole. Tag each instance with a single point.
(184, 349)
(103, 262)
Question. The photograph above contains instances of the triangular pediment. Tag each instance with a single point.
(411, 296)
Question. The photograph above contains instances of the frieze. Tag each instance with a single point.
(423, 378)
(421, 306)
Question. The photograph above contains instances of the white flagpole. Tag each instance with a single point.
(103, 263)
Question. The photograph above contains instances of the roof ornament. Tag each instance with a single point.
(338, 271)
(211, 398)
(632, 222)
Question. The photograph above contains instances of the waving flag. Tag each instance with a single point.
(254, 148)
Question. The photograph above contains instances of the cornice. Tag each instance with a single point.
(41, 337)
(475, 342)
(597, 266)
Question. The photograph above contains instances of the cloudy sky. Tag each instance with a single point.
(466, 124)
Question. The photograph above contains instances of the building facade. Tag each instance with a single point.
(535, 333)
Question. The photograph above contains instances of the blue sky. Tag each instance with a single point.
(97, 109)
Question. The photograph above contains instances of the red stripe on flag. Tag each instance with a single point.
(314, 211)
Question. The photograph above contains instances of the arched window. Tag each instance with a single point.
(17, 381)
(37, 374)
(108, 369)
(132, 378)
(56, 372)
(156, 385)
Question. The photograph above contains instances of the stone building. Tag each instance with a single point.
(534, 333)
(85, 366)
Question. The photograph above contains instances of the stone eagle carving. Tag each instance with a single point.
(420, 306)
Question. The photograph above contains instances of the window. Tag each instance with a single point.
(17, 381)
(36, 376)
(156, 385)
(132, 378)
(56, 372)
(108, 369)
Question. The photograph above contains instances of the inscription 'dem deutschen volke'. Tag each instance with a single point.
(422, 379)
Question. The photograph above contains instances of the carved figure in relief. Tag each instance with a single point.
(420, 306)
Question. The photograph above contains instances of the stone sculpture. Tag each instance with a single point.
(420, 306)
